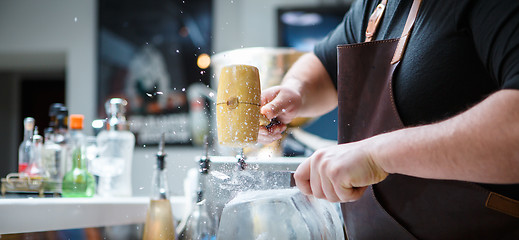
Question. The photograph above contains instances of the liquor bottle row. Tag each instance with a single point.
(67, 157)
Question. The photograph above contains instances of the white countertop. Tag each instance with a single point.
(18, 215)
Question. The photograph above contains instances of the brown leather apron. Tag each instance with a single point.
(404, 207)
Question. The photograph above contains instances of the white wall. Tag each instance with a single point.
(53, 28)
(43, 35)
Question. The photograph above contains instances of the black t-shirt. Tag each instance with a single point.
(459, 52)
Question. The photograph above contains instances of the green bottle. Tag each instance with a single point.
(77, 182)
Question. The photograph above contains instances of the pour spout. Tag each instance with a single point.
(241, 164)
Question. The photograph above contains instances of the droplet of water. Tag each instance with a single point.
(75, 19)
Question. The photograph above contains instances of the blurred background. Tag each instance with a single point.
(82, 52)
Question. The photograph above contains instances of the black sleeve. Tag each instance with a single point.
(495, 30)
(348, 31)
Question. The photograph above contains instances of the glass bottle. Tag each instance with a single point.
(115, 149)
(26, 149)
(61, 125)
(53, 113)
(60, 137)
(77, 182)
(200, 225)
(35, 169)
(52, 157)
(159, 219)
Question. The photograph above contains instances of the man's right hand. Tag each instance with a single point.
(280, 103)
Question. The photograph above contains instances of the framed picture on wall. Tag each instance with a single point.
(150, 53)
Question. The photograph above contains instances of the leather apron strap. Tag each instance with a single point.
(376, 17)
(374, 20)
(402, 42)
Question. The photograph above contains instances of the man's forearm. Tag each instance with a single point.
(479, 145)
(309, 77)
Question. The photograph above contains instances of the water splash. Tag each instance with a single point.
(220, 175)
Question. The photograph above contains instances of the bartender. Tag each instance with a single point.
(428, 101)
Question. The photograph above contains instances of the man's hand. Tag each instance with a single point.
(339, 173)
(281, 103)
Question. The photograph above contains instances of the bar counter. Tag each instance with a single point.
(22, 215)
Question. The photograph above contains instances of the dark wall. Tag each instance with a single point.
(24, 95)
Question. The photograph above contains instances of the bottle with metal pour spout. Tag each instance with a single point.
(159, 219)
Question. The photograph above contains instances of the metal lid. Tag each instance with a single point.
(115, 106)
(115, 109)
